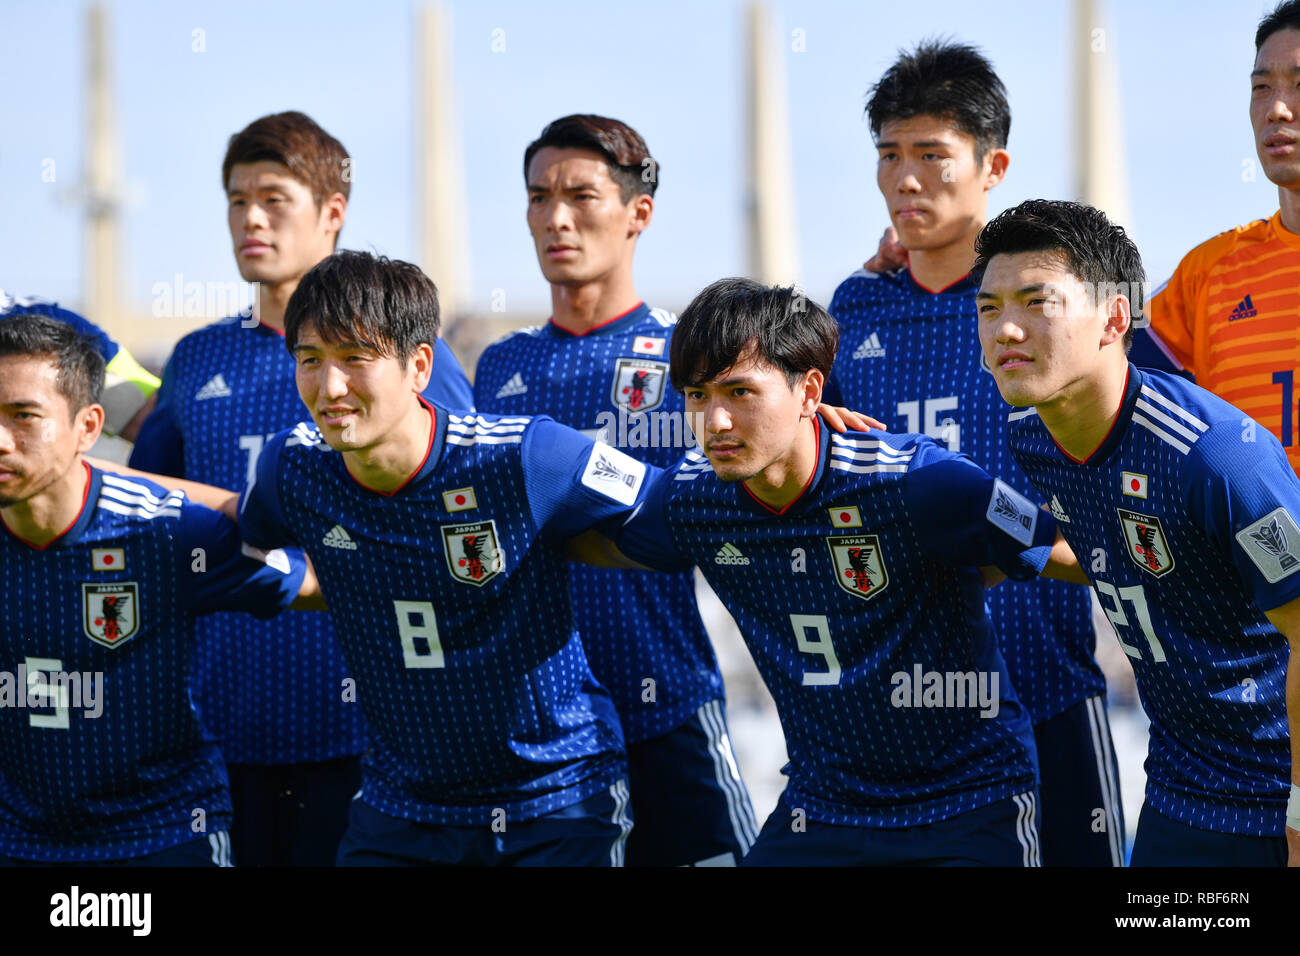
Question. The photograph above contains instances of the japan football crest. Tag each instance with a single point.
(473, 554)
(110, 612)
(859, 565)
(639, 385)
(1146, 543)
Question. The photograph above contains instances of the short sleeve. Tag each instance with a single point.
(160, 446)
(1171, 311)
(575, 483)
(964, 516)
(1241, 489)
(261, 519)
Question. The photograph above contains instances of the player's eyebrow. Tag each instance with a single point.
(919, 144)
(1023, 291)
(573, 188)
(23, 403)
(1264, 71)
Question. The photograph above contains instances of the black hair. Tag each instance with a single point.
(784, 328)
(384, 304)
(81, 368)
(1096, 250)
(953, 81)
(1285, 16)
(626, 154)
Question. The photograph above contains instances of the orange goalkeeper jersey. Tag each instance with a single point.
(1231, 315)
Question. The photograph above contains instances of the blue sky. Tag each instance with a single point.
(672, 70)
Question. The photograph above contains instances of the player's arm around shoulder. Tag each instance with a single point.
(965, 516)
(227, 574)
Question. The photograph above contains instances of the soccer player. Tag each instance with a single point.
(940, 119)
(128, 387)
(600, 365)
(436, 537)
(277, 695)
(1228, 312)
(102, 757)
(854, 571)
(1185, 515)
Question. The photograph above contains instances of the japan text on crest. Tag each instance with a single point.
(639, 385)
(859, 565)
(473, 554)
(1146, 543)
(110, 613)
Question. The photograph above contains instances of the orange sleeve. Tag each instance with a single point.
(1172, 310)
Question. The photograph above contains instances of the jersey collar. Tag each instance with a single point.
(963, 285)
(610, 326)
(437, 440)
(1284, 235)
(1118, 428)
(823, 439)
(74, 531)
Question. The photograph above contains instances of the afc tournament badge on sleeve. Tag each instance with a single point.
(1269, 542)
(110, 612)
(859, 565)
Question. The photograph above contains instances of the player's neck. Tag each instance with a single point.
(391, 463)
(1289, 201)
(1082, 415)
(936, 269)
(272, 301)
(579, 309)
(44, 516)
(785, 479)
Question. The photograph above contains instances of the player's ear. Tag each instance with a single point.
(333, 211)
(814, 382)
(422, 362)
(642, 210)
(996, 162)
(1119, 315)
(88, 422)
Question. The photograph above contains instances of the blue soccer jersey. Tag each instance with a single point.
(913, 359)
(864, 610)
(102, 756)
(450, 600)
(613, 382)
(272, 693)
(1185, 519)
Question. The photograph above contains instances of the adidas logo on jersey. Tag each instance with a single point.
(1245, 310)
(1058, 512)
(336, 537)
(515, 386)
(870, 348)
(216, 387)
(729, 554)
